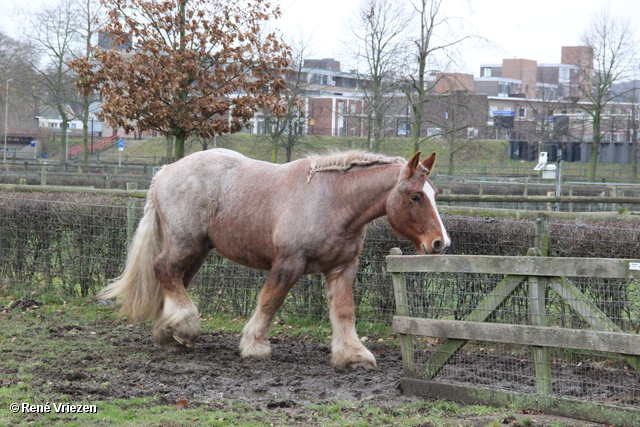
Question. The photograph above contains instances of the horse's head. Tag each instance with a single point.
(411, 207)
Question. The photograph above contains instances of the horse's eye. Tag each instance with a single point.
(415, 198)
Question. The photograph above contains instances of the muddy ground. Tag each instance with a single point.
(298, 371)
(107, 359)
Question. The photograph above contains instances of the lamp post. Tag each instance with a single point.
(6, 113)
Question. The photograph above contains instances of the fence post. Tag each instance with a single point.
(315, 296)
(402, 309)
(43, 176)
(570, 195)
(538, 317)
(131, 213)
(447, 191)
(541, 240)
(614, 193)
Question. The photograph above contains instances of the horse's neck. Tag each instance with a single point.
(367, 191)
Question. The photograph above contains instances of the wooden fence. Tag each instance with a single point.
(537, 273)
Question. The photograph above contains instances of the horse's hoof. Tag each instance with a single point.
(174, 340)
(366, 365)
(362, 358)
(255, 350)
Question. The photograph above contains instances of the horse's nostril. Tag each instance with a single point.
(438, 245)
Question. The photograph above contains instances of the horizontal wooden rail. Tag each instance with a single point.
(66, 189)
(441, 198)
(475, 198)
(573, 408)
(516, 265)
(578, 339)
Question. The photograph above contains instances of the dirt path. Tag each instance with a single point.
(105, 359)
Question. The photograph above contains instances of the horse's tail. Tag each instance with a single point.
(139, 289)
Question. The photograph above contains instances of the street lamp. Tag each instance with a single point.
(6, 113)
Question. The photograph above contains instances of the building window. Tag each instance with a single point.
(320, 79)
(565, 74)
(486, 72)
(434, 132)
(522, 112)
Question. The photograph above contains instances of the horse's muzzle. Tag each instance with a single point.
(438, 246)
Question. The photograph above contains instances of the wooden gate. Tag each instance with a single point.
(537, 273)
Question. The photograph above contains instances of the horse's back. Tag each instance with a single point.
(224, 197)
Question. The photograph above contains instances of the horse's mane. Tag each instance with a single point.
(344, 161)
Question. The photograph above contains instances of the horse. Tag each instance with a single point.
(303, 217)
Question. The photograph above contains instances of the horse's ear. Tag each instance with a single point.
(413, 164)
(429, 162)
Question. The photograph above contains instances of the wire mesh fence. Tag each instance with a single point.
(74, 244)
(578, 303)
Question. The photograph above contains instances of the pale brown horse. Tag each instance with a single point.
(307, 216)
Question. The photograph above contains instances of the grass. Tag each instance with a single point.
(28, 346)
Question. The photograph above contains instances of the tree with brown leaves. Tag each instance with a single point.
(187, 67)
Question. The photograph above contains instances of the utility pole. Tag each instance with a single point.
(6, 115)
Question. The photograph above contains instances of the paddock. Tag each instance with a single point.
(69, 245)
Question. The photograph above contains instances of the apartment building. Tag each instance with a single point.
(333, 101)
(535, 106)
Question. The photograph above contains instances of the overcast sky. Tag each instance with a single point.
(529, 29)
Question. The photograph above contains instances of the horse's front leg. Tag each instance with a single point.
(255, 334)
(346, 348)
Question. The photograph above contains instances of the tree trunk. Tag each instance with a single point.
(634, 145)
(274, 150)
(415, 136)
(64, 137)
(451, 155)
(179, 145)
(595, 148)
(169, 146)
(377, 133)
(593, 161)
(85, 136)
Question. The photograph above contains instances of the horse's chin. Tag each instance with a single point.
(422, 249)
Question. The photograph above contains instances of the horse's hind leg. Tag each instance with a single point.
(255, 334)
(177, 321)
(346, 348)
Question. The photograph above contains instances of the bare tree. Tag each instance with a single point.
(90, 22)
(286, 131)
(434, 42)
(611, 43)
(454, 116)
(16, 59)
(633, 126)
(54, 31)
(190, 67)
(378, 28)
